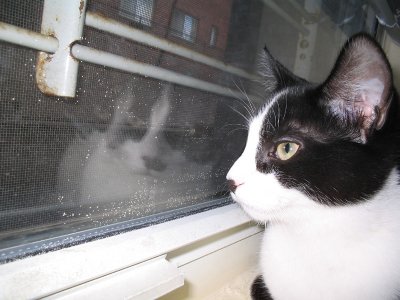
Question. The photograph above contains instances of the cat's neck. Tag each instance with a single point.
(381, 209)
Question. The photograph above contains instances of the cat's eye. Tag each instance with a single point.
(286, 150)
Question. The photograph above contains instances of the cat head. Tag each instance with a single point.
(141, 151)
(320, 145)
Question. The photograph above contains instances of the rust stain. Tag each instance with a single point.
(42, 60)
(49, 32)
(81, 6)
(101, 16)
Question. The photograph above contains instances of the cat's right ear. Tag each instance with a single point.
(274, 75)
(360, 86)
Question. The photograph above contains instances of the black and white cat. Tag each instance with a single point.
(321, 167)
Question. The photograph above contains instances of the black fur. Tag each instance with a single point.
(259, 291)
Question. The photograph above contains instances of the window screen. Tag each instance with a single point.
(130, 150)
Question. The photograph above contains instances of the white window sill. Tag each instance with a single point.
(50, 273)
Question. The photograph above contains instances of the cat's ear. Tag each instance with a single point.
(359, 88)
(274, 75)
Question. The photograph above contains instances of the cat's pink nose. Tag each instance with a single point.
(232, 185)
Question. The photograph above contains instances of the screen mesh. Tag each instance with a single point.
(129, 151)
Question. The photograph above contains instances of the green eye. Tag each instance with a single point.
(286, 150)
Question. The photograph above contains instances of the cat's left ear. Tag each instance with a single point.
(276, 76)
(360, 87)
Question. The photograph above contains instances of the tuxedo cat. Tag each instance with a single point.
(321, 169)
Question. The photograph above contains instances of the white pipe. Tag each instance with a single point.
(111, 26)
(27, 38)
(132, 66)
(23, 37)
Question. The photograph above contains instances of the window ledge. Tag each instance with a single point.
(46, 274)
(148, 280)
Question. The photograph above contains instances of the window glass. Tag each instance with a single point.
(183, 26)
(129, 151)
(137, 10)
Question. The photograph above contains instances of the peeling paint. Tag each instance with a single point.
(57, 73)
(101, 16)
(82, 6)
(42, 60)
(49, 32)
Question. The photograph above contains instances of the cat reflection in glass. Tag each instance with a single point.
(116, 167)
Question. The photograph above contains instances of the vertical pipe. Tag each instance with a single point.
(56, 74)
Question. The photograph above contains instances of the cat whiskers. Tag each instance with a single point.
(223, 188)
(238, 127)
(247, 119)
(249, 104)
(244, 102)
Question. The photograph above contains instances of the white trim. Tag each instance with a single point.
(149, 280)
(46, 274)
(231, 269)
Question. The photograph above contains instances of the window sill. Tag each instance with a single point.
(53, 272)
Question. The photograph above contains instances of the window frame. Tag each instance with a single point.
(53, 272)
